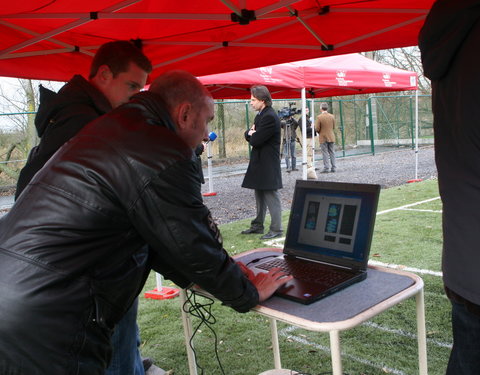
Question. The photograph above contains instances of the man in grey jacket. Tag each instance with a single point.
(449, 44)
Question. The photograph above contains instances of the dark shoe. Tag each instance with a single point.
(325, 171)
(253, 231)
(333, 170)
(270, 235)
(295, 169)
(289, 170)
(147, 363)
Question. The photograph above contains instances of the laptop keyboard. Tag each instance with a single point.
(307, 271)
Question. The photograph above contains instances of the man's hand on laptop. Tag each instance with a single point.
(266, 283)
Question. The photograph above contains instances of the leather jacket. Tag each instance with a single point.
(71, 248)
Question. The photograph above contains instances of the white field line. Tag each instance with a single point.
(407, 206)
(419, 210)
(289, 334)
(403, 333)
(400, 267)
(276, 242)
(301, 340)
(404, 268)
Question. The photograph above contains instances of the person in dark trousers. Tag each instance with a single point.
(198, 153)
(449, 43)
(71, 247)
(263, 172)
(289, 139)
(311, 174)
(118, 71)
(324, 126)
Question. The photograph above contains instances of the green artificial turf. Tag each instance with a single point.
(406, 238)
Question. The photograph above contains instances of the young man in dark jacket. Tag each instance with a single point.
(118, 71)
(449, 44)
(71, 259)
(263, 172)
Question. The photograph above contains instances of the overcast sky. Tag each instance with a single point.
(11, 90)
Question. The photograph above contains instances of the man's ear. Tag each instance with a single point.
(183, 113)
(104, 74)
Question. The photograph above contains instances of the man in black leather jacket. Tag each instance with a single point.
(130, 178)
(118, 71)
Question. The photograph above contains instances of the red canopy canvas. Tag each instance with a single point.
(46, 39)
(322, 77)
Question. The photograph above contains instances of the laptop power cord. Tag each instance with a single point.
(202, 311)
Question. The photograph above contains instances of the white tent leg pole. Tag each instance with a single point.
(312, 116)
(416, 134)
(210, 177)
(209, 163)
(304, 135)
(158, 277)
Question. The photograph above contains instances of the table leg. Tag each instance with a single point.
(421, 334)
(275, 345)
(187, 331)
(335, 352)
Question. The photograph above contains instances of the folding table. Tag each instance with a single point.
(382, 289)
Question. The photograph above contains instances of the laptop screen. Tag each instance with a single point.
(332, 221)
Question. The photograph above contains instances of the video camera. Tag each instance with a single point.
(287, 112)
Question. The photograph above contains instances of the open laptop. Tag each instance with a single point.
(328, 237)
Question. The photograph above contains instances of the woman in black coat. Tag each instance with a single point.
(263, 173)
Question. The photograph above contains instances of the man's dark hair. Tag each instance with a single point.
(117, 56)
(262, 93)
(324, 106)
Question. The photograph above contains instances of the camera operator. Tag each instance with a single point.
(289, 126)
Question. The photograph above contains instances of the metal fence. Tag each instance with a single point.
(365, 125)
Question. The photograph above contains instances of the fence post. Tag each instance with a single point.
(248, 127)
(342, 127)
(370, 125)
(412, 131)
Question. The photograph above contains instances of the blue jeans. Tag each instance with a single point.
(126, 359)
(465, 355)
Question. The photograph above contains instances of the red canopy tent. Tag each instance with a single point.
(322, 77)
(53, 40)
(46, 39)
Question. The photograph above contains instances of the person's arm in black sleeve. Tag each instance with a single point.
(294, 123)
(265, 130)
(171, 217)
